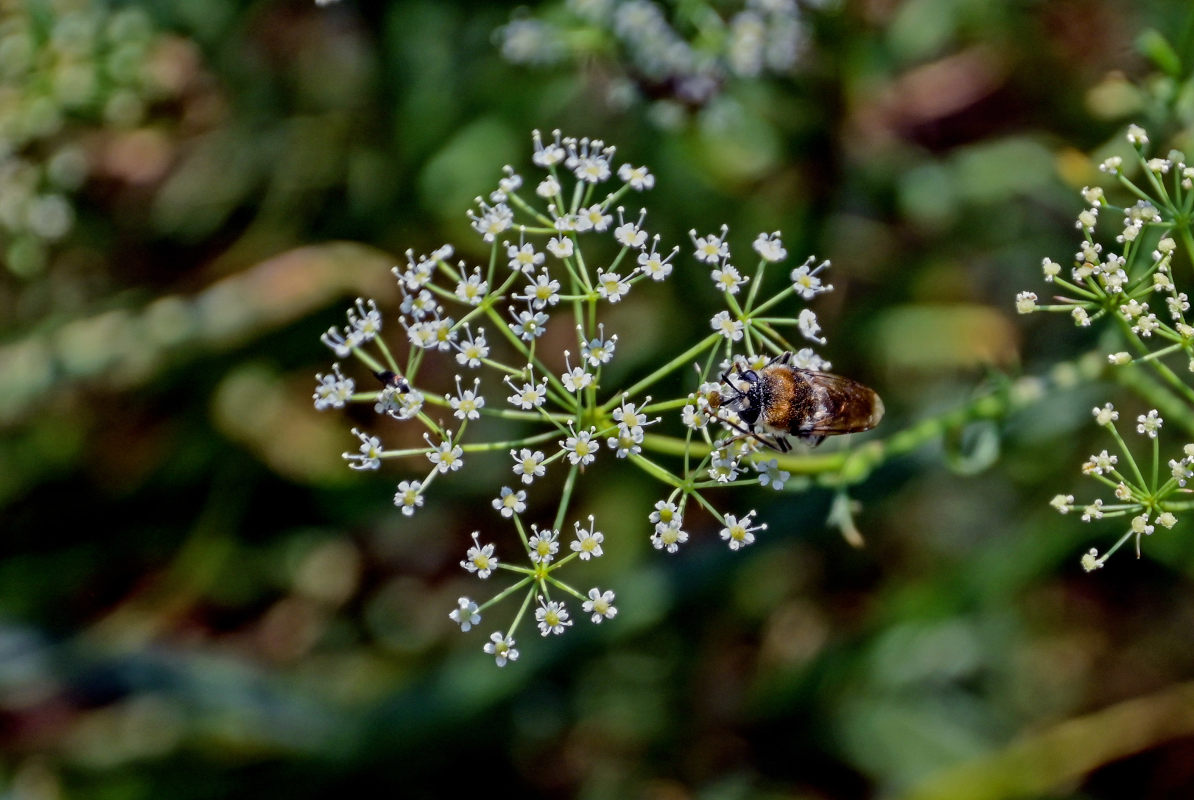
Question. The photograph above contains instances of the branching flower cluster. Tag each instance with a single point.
(684, 51)
(562, 248)
(1132, 286)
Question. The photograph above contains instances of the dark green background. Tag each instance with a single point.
(198, 599)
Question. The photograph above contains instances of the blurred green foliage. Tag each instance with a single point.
(197, 599)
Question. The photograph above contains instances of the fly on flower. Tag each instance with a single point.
(780, 400)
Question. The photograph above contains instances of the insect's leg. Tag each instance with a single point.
(782, 444)
(747, 432)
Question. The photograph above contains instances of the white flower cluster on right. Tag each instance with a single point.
(1131, 286)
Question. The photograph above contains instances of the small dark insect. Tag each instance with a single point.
(398, 382)
(780, 400)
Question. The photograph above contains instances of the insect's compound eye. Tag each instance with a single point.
(750, 376)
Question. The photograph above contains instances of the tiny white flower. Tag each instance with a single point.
(529, 324)
(611, 286)
(480, 559)
(1105, 415)
(543, 291)
(509, 502)
(548, 188)
(465, 614)
(806, 282)
(446, 456)
(652, 264)
(1149, 425)
(552, 617)
(581, 448)
(501, 648)
(547, 155)
(600, 350)
(588, 542)
(630, 234)
(710, 249)
(472, 290)
(1140, 526)
(467, 403)
(1064, 503)
(529, 395)
(491, 221)
(333, 390)
(472, 350)
(600, 605)
(409, 497)
(1091, 561)
(729, 328)
(369, 456)
(1093, 511)
(523, 258)
(771, 475)
(638, 177)
(561, 247)
(543, 545)
(810, 329)
(728, 279)
(1026, 302)
(593, 218)
(528, 464)
(668, 536)
(740, 533)
(769, 247)
(665, 511)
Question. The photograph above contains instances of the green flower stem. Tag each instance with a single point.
(386, 354)
(768, 304)
(522, 534)
(1156, 462)
(582, 269)
(521, 347)
(754, 285)
(516, 568)
(774, 334)
(502, 595)
(663, 405)
(684, 358)
(566, 496)
(481, 447)
(708, 507)
(370, 362)
(515, 199)
(1117, 545)
(1133, 188)
(1159, 367)
(1123, 448)
(656, 471)
(1187, 242)
(560, 584)
(1141, 382)
(522, 610)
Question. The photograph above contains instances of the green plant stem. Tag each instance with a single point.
(686, 357)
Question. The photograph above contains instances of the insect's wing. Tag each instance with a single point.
(840, 405)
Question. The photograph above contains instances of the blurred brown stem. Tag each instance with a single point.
(1044, 762)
